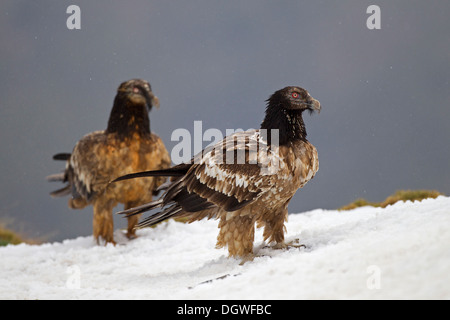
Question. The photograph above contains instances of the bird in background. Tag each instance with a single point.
(126, 146)
(267, 167)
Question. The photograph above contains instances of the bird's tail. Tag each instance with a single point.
(155, 218)
(175, 209)
(61, 192)
(176, 171)
(59, 177)
(143, 208)
(160, 216)
(62, 156)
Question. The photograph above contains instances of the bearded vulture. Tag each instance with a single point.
(126, 146)
(246, 179)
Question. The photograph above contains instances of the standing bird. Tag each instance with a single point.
(267, 167)
(126, 146)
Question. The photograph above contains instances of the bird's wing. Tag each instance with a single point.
(87, 172)
(229, 174)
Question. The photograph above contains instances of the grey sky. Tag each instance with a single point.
(385, 93)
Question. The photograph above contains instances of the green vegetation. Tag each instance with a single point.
(400, 195)
(8, 237)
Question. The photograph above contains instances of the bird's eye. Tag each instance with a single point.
(136, 90)
(295, 95)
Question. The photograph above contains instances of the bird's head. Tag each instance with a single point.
(138, 92)
(284, 113)
(294, 98)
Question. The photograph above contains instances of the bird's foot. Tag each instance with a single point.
(292, 244)
(247, 258)
(131, 235)
(278, 246)
(102, 242)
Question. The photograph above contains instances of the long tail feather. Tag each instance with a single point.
(138, 175)
(164, 186)
(143, 208)
(176, 171)
(61, 192)
(62, 156)
(160, 216)
(56, 177)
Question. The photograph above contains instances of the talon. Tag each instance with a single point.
(296, 244)
(131, 236)
(292, 244)
(247, 258)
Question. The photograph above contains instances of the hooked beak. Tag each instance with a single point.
(152, 100)
(314, 105)
(155, 101)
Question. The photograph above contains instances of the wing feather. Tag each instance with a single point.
(220, 183)
(85, 170)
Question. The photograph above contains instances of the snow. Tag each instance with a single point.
(400, 252)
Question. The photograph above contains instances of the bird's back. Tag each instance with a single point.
(99, 158)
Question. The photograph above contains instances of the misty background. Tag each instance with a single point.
(385, 93)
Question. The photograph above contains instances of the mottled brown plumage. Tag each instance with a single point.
(126, 146)
(267, 167)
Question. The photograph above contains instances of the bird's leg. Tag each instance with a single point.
(103, 223)
(274, 232)
(238, 234)
(132, 221)
(247, 258)
(274, 229)
(131, 230)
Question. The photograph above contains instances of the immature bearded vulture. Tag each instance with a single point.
(126, 146)
(247, 178)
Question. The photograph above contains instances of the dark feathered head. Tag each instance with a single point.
(293, 98)
(133, 101)
(284, 112)
(138, 92)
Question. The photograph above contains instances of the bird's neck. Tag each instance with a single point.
(289, 124)
(127, 118)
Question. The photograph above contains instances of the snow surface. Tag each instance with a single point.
(400, 252)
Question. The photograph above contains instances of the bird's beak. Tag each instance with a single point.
(315, 105)
(152, 100)
(155, 101)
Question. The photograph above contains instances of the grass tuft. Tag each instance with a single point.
(400, 195)
(8, 237)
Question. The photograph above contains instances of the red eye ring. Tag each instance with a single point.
(295, 95)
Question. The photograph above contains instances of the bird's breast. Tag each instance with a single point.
(298, 164)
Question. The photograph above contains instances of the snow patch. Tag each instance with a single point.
(400, 252)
